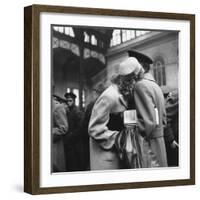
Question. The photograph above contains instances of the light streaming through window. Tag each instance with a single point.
(121, 35)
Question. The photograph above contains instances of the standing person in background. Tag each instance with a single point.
(106, 120)
(73, 143)
(171, 129)
(150, 107)
(59, 130)
(96, 93)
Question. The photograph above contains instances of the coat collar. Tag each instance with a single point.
(148, 76)
(121, 98)
(123, 101)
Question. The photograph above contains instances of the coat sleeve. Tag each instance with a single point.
(99, 119)
(60, 121)
(145, 110)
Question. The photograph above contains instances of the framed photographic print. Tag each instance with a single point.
(109, 99)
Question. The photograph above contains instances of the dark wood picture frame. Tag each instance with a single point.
(32, 93)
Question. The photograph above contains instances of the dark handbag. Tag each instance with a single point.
(128, 145)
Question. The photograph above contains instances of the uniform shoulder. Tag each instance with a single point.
(143, 83)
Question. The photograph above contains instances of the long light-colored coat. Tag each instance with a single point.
(59, 129)
(149, 98)
(102, 154)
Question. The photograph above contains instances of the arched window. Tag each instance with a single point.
(159, 71)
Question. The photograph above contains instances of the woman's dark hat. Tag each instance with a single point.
(142, 58)
(70, 95)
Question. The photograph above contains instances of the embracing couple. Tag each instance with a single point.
(134, 89)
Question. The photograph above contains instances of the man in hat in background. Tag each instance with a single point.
(150, 107)
(73, 143)
(106, 120)
(171, 129)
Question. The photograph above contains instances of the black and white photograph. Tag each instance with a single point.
(114, 98)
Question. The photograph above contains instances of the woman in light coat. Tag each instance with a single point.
(106, 120)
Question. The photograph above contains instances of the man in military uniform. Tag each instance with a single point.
(73, 143)
(150, 107)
